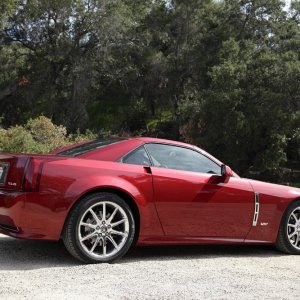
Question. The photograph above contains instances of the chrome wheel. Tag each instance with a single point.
(103, 230)
(293, 228)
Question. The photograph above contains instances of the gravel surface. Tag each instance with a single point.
(44, 270)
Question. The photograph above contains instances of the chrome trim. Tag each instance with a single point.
(256, 209)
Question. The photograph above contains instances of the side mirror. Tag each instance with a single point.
(226, 171)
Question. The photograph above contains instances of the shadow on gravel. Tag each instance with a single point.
(155, 253)
(18, 254)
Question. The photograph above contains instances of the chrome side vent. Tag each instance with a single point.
(256, 209)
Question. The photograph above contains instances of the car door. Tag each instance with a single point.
(191, 197)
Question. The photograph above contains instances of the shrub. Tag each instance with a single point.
(17, 139)
(38, 135)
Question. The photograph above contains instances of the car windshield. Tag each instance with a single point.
(89, 146)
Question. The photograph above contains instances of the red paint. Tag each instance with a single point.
(175, 207)
(189, 205)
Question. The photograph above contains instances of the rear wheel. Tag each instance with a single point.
(100, 228)
(288, 239)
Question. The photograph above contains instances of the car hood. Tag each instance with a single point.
(277, 190)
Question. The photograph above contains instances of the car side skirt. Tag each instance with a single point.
(183, 240)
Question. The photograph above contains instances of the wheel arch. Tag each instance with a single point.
(114, 190)
(286, 204)
(285, 209)
(281, 240)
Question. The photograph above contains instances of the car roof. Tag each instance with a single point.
(128, 146)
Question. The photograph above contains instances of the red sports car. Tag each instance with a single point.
(101, 196)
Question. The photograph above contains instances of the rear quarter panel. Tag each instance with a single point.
(66, 180)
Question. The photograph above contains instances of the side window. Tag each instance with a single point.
(179, 158)
(138, 156)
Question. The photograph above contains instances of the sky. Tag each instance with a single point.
(288, 2)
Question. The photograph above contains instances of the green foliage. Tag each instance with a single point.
(38, 135)
(246, 115)
(17, 139)
(221, 74)
(6, 8)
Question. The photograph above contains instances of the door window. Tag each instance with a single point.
(179, 158)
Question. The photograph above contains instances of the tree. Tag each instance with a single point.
(246, 116)
(68, 44)
(221, 74)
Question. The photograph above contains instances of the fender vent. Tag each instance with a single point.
(256, 209)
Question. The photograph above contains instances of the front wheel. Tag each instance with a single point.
(100, 228)
(288, 239)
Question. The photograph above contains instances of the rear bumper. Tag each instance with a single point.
(18, 217)
(11, 204)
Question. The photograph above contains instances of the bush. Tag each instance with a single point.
(38, 135)
(17, 139)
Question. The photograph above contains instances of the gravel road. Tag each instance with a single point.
(44, 270)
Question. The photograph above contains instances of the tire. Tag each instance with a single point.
(288, 239)
(90, 237)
